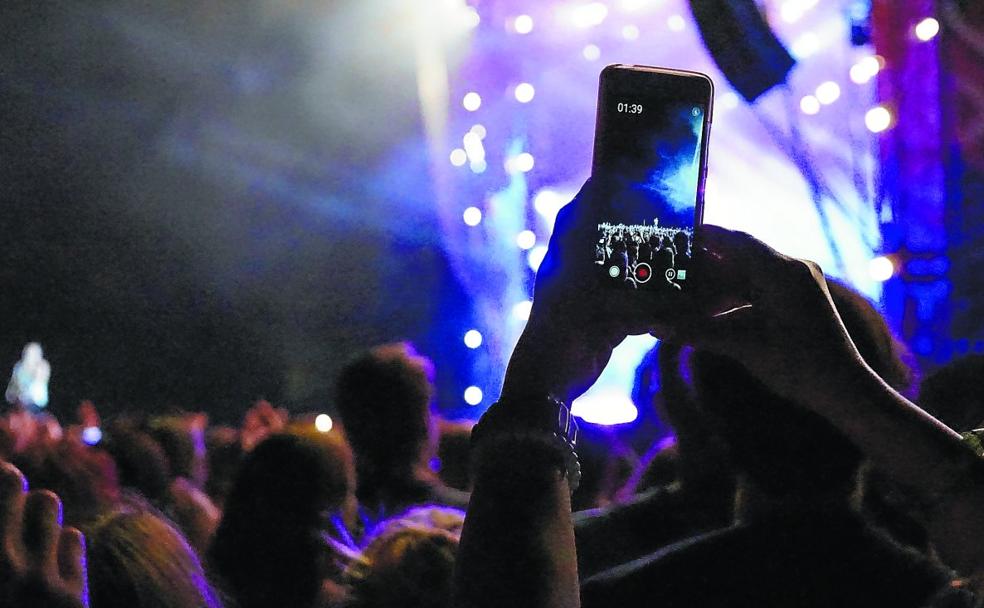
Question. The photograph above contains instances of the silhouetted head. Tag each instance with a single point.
(682, 243)
(270, 548)
(384, 398)
(783, 448)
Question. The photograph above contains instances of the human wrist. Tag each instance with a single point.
(540, 429)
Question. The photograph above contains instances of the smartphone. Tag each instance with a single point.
(651, 153)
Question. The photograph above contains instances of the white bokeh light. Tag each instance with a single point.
(523, 24)
(472, 216)
(630, 32)
(524, 92)
(881, 268)
(810, 105)
(828, 92)
(473, 395)
(927, 29)
(471, 18)
(323, 423)
(591, 52)
(473, 338)
(458, 157)
(471, 101)
(524, 162)
(526, 239)
(676, 23)
(877, 119)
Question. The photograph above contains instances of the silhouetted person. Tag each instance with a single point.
(384, 398)
(273, 544)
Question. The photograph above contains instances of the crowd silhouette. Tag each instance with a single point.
(635, 254)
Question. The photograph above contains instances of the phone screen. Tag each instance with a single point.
(650, 148)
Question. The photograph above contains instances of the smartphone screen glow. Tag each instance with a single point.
(650, 149)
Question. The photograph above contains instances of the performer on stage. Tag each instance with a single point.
(28, 387)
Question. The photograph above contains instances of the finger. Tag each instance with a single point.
(725, 333)
(741, 249)
(42, 527)
(13, 492)
(71, 562)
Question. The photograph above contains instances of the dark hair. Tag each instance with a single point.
(269, 549)
(384, 397)
(785, 449)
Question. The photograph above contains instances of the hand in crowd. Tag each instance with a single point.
(41, 563)
(576, 322)
(261, 421)
(771, 312)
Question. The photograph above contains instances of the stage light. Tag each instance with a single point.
(458, 157)
(828, 92)
(881, 268)
(523, 24)
(810, 105)
(535, 257)
(524, 162)
(676, 23)
(805, 45)
(526, 239)
(471, 17)
(472, 101)
(589, 15)
(877, 119)
(859, 75)
(472, 216)
(591, 52)
(473, 338)
(473, 395)
(521, 163)
(630, 32)
(323, 423)
(866, 69)
(521, 311)
(927, 29)
(473, 147)
(478, 130)
(478, 166)
(524, 92)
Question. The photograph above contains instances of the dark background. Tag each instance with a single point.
(203, 203)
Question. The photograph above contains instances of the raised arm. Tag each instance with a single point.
(782, 325)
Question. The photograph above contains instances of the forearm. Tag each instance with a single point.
(921, 452)
(895, 434)
(517, 546)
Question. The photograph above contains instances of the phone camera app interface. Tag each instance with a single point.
(652, 154)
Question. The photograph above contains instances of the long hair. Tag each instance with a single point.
(139, 560)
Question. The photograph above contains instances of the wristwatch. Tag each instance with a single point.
(542, 417)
